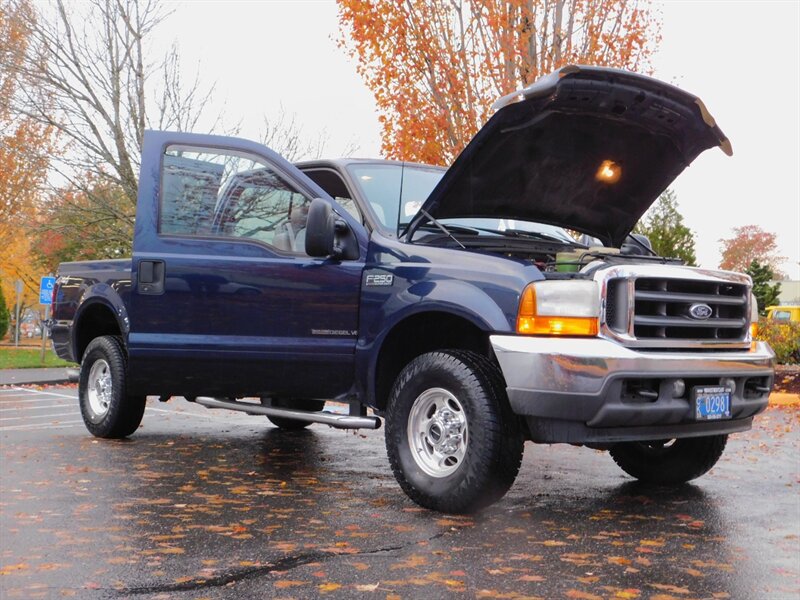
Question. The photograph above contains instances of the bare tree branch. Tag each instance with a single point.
(284, 135)
(87, 77)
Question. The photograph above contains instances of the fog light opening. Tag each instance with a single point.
(728, 383)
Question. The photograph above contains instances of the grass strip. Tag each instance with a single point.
(30, 358)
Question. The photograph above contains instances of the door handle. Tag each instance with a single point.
(151, 277)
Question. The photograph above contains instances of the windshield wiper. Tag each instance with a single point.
(537, 235)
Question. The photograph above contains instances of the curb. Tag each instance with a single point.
(784, 399)
(71, 375)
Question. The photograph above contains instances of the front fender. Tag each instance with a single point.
(454, 297)
(461, 298)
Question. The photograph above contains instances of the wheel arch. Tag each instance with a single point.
(97, 317)
(420, 332)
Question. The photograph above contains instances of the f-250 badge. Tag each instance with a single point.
(380, 280)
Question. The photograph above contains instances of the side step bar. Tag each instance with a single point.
(328, 418)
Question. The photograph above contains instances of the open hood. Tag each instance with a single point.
(586, 148)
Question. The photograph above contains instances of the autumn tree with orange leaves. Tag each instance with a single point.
(437, 66)
(750, 243)
(24, 150)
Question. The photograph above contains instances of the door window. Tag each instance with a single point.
(228, 194)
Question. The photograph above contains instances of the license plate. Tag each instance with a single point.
(711, 403)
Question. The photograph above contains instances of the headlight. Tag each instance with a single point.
(753, 317)
(567, 307)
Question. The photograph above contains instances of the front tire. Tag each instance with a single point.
(669, 462)
(107, 409)
(453, 443)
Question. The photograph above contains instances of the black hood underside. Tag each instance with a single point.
(538, 157)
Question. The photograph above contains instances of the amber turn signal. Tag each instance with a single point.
(753, 330)
(584, 326)
(529, 323)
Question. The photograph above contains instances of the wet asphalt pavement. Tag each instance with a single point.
(215, 504)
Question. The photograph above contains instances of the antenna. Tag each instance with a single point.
(400, 199)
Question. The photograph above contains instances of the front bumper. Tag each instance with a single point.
(582, 390)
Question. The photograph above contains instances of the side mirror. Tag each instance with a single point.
(635, 244)
(327, 234)
(320, 229)
(643, 239)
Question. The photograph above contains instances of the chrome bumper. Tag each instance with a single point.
(585, 381)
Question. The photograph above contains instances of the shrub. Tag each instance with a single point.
(3, 315)
(784, 337)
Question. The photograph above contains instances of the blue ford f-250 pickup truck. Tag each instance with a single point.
(450, 302)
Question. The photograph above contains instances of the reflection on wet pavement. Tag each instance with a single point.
(196, 508)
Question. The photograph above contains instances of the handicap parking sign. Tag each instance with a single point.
(46, 290)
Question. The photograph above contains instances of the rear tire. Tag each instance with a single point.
(107, 409)
(294, 424)
(669, 462)
(453, 443)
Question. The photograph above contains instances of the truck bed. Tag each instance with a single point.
(78, 283)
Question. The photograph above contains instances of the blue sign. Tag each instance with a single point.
(46, 290)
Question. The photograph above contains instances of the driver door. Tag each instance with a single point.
(224, 299)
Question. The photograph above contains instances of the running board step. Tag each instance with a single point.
(328, 418)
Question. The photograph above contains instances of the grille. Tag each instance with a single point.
(617, 305)
(662, 310)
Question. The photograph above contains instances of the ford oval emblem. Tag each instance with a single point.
(700, 311)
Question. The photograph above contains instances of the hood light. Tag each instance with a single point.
(609, 172)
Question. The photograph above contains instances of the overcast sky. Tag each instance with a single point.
(741, 58)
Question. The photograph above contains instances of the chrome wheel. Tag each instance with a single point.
(99, 389)
(437, 432)
(453, 443)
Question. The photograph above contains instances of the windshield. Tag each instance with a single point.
(380, 185)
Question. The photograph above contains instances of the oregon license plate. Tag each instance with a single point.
(711, 403)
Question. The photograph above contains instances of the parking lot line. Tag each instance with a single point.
(43, 393)
(16, 408)
(72, 413)
(40, 396)
(14, 401)
(35, 426)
